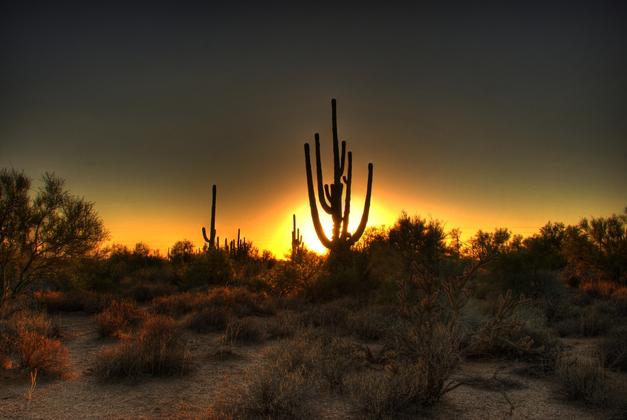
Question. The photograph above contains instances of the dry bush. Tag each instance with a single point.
(244, 331)
(238, 300)
(583, 378)
(269, 393)
(325, 360)
(29, 338)
(209, 319)
(146, 292)
(285, 324)
(614, 348)
(372, 323)
(118, 319)
(157, 350)
(332, 316)
(74, 301)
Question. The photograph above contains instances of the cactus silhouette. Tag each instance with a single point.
(211, 240)
(330, 195)
(297, 238)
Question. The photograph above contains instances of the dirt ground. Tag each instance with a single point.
(494, 389)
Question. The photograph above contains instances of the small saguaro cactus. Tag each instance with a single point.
(297, 238)
(211, 240)
(330, 195)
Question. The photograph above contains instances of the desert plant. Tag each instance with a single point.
(330, 196)
(118, 318)
(157, 350)
(297, 240)
(38, 235)
(209, 319)
(614, 348)
(583, 378)
(245, 331)
(211, 240)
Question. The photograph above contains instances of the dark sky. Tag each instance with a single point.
(482, 116)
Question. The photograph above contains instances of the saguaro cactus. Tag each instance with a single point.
(212, 232)
(297, 238)
(330, 195)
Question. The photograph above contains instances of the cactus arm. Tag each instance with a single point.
(204, 234)
(328, 194)
(315, 217)
(364, 216)
(348, 180)
(336, 153)
(212, 233)
(343, 160)
(325, 206)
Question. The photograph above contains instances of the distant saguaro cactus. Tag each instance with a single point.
(297, 238)
(330, 196)
(211, 240)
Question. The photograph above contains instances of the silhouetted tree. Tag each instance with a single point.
(182, 252)
(40, 233)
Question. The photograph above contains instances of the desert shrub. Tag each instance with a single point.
(118, 318)
(179, 304)
(71, 301)
(583, 378)
(269, 393)
(614, 348)
(285, 324)
(331, 315)
(594, 321)
(209, 319)
(30, 339)
(294, 277)
(211, 267)
(157, 350)
(238, 300)
(371, 323)
(145, 292)
(245, 331)
(46, 355)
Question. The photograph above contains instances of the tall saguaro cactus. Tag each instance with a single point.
(212, 232)
(330, 195)
(297, 238)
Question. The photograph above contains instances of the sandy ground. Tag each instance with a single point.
(489, 396)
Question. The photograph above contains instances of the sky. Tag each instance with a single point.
(485, 116)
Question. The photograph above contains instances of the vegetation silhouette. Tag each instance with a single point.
(297, 239)
(330, 195)
(211, 240)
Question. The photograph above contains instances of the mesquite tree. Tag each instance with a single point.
(39, 234)
(330, 195)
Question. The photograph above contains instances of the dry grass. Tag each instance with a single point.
(209, 319)
(269, 393)
(118, 319)
(55, 301)
(30, 339)
(157, 350)
(614, 348)
(583, 378)
(238, 300)
(244, 331)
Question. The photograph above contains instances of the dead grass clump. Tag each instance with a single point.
(157, 350)
(244, 331)
(614, 348)
(118, 319)
(286, 324)
(583, 378)
(242, 301)
(372, 323)
(177, 305)
(74, 301)
(332, 316)
(269, 393)
(30, 340)
(209, 319)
